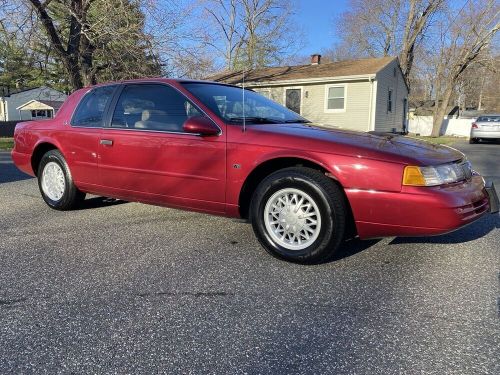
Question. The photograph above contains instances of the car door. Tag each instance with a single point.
(144, 153)
(81, 139)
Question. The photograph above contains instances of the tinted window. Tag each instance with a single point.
(90, 111)
(227, 102)
(488, 119)
(152, 107)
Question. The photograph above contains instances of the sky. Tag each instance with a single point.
(316, 19)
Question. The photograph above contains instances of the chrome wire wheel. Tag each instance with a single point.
(292, 218)
(53, 181)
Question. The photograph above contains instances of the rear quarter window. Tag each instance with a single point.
(92, 107)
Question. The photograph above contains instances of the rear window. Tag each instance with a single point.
(488, 119)
(90, 111)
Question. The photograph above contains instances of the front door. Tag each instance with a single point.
(144, 153)
(293, 98)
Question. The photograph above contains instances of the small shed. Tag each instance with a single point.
(39, 109)
(10, 101)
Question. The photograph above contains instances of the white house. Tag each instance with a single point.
(364, 95)
(39, 102)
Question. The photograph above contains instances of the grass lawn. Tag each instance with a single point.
(444, 140)
(6, 143)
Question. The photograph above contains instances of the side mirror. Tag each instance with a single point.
(200, 125)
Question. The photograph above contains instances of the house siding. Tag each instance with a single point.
(357, 103)
(384, 120)
(16, 100)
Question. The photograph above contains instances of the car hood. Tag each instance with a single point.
(382, 146)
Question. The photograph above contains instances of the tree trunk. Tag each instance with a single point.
(74, 76)
(440, 112)
(87, 70)
(71, 55)
(480, 99)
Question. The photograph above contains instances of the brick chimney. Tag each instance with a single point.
(315, 59)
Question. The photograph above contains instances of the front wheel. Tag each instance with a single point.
(56, 184)
(298, 214)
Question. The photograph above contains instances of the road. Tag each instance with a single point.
(129, 288)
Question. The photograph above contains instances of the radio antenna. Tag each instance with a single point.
(243, 95)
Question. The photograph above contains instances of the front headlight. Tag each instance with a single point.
(438, 175)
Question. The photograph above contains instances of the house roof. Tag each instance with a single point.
(41, 104)
(9, 93)
(56, 104)
(300, 72)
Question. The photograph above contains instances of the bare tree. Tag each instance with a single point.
(373, 28)
(488, 98)
(226, 16)
(249, 33)
(464, 38)
(418, 16)
(474, 85)
(369, 27)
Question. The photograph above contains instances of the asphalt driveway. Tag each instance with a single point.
(129, 288)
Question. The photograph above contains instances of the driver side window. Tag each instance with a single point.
(152, 107)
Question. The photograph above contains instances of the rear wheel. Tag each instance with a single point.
(56, 184)
(473, 140)
(298, 214)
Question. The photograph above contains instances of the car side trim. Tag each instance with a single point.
(154, 131)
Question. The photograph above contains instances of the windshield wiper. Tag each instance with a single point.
(258, 120)
(298, 121)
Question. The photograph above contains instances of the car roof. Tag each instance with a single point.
(157, 79)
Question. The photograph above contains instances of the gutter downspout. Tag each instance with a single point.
(4, 108)
(370, 105)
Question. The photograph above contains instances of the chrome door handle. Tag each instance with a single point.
(106, 142)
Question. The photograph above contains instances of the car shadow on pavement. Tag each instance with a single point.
(97, 202)
(490, 141)
(353, 247)
(8, 171)
(471, 232)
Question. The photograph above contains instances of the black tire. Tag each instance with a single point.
(473, 141)
(329, 200)
(71, 197)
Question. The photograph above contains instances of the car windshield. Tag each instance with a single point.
(227, 102)
(488, 119)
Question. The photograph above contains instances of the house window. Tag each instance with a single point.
(41, 113)
(335, 98)
(389, 100)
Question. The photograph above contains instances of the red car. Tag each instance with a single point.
(219, 149)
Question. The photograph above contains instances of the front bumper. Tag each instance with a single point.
(420, 211)
(492, 196)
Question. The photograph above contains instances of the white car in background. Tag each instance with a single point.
(485, 127)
